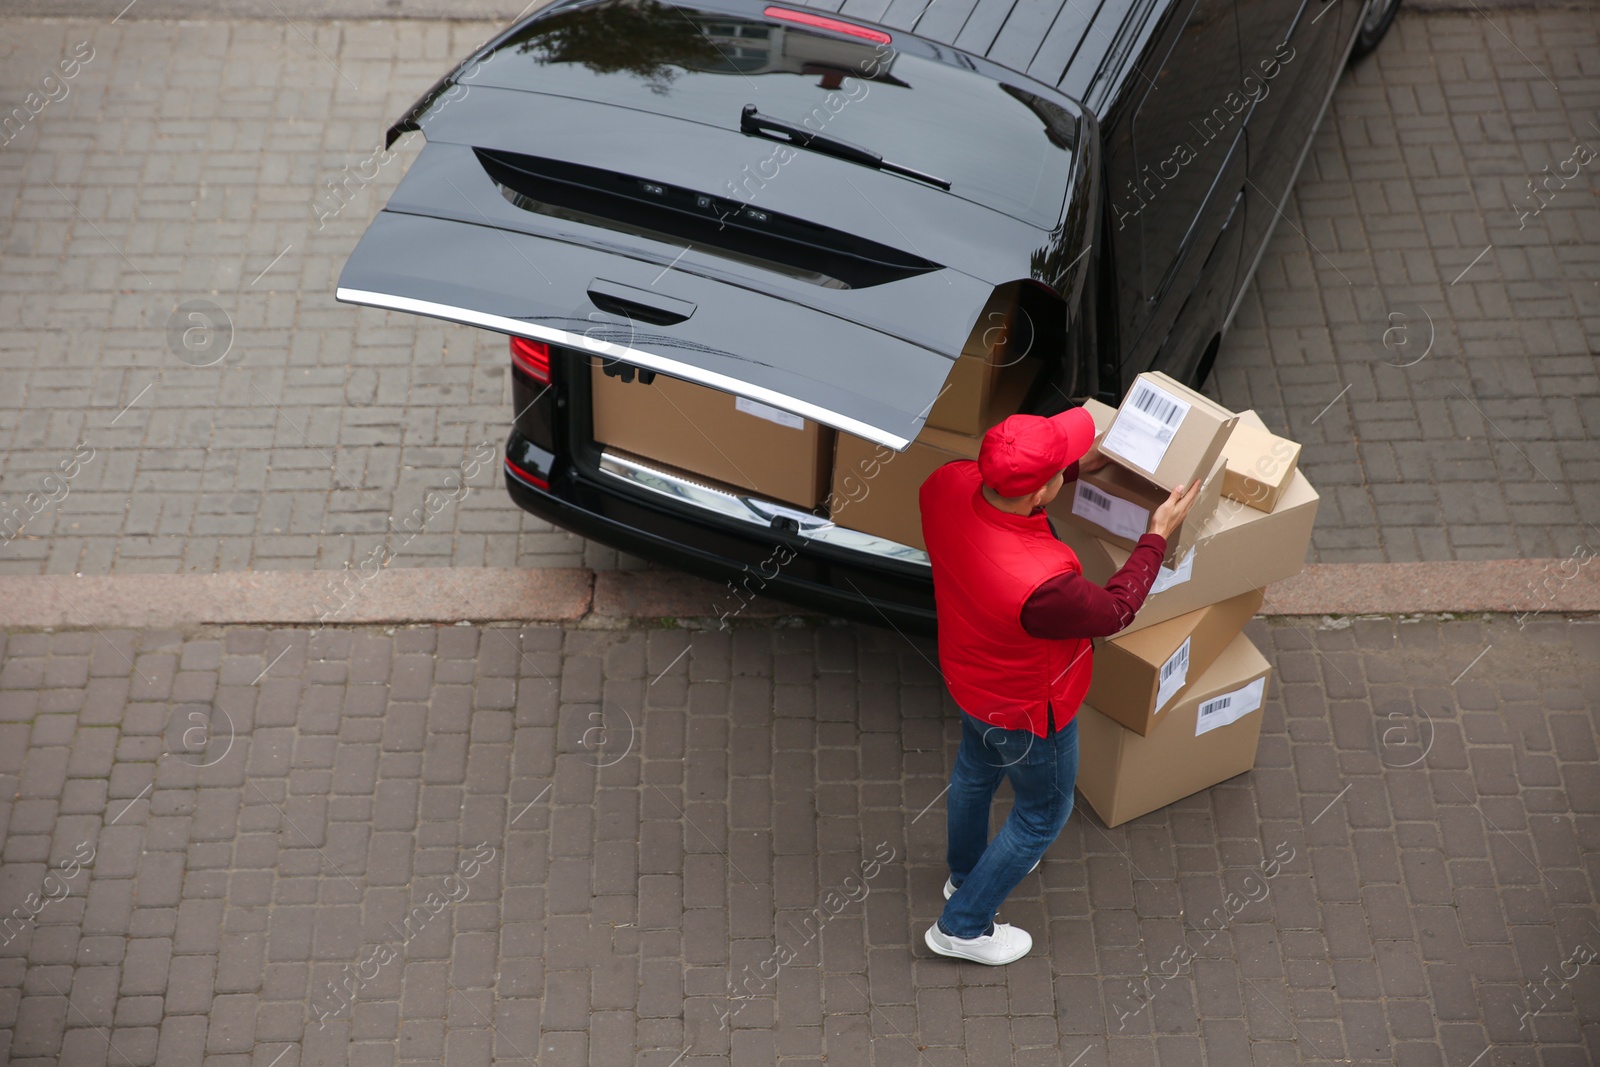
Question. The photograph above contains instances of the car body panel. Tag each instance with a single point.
(933, 309)
(979, 242)
(754, 562)
(726, 343)
(872, 363)
(702, 63)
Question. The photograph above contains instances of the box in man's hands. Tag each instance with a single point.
(1116, 504)
(1240, 549)
(1167, 432)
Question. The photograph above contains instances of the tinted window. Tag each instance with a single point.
(728, 228)
(996, 145)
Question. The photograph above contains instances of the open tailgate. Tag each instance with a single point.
(869, 361)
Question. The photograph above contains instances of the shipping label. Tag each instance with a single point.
(1167, 577)
(1145, 425)
(1122, 517)
(1229, 707)
(1174, 673)
(771, 414)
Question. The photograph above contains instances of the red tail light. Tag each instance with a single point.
(528, 476)
(533, 357)
(822, 22)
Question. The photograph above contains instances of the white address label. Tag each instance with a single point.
(1167, 577)
(1122, 517)
(1174, 673)
(771, 414)
(1145, 425)
(1229, 707)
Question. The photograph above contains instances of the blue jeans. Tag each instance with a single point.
(1042, 771)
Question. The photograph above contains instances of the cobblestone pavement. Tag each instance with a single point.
(1437, 352)
(189, 161)
(466, 846)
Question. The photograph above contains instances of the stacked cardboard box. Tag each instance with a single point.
(1138, 677)
(1176, 701)
(1115, 505)
(999, 340)
(716, 435)
(1208, 737)
(875, 489)
(734, 443)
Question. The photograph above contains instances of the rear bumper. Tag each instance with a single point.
(752, 561)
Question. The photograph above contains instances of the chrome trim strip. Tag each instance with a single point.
(752, 510)
(648, 360)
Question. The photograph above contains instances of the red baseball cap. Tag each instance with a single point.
(1023, 453)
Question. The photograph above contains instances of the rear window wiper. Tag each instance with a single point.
(755, 124)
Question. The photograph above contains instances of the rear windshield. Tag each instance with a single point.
(996, 145)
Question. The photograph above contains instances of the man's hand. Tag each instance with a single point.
(1170, 515)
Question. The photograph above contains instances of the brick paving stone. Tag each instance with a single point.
(626, 896)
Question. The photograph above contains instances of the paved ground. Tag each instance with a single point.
(1437, 353)
(188, 162)
(596, 832)
(280, 847)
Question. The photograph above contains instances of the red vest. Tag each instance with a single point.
(986, 564)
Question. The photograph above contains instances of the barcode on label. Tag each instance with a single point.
(1145, 426)
(1228, 708)
(1150, 401)
(1118, 517)
(1179, 662)
(1174, 675)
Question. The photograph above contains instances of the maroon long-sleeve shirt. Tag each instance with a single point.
(1072, 606)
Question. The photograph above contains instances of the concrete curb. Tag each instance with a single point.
(577, 596)
(295, 598)
(1508, 585)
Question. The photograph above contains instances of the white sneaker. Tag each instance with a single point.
(950, 887)
(1005, 945)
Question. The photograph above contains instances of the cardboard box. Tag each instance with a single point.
(1138, 675)
(1094, 554)
(977, 373)
(1103, 415)
(1115, 505)
(1260, 464)
(1240, 549)
(875, 489)
(1210, 736)
(715, 434)
(1167, 432)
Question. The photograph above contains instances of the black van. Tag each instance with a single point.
(809, 209)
